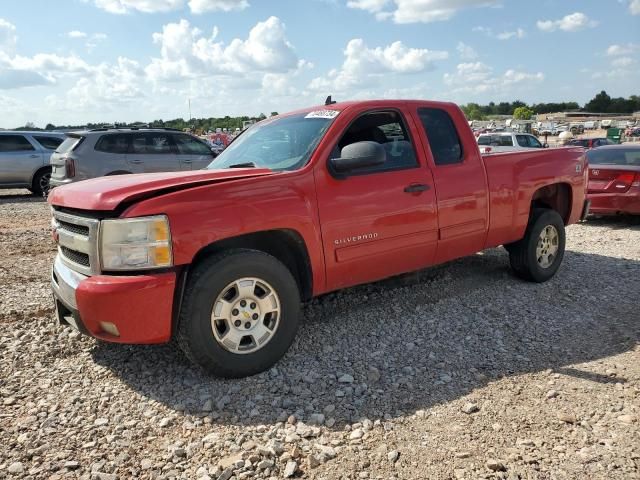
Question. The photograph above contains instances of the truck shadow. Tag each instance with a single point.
(432, 337)
(618, 222)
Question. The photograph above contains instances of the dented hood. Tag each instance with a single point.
(107, 193)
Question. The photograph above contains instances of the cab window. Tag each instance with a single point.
(442, 136)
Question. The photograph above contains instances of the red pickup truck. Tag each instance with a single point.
(299, 205)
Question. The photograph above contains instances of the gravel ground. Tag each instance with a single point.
(460, 371)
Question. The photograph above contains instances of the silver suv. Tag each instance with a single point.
(109, 151)
(24, 159)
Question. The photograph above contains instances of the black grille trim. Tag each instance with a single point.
(75, 257)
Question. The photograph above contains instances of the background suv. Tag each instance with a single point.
(507, 142)
(24, 159)
(99, 152)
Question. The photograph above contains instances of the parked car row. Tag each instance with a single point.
(42, 160)
(24, 159)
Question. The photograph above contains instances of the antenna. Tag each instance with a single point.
(328, 101)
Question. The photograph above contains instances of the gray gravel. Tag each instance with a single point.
(460, 371)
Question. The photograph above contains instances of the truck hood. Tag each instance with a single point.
(107, 193)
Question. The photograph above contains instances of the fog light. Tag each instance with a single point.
(110, 328)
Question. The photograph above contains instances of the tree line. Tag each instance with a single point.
(601, 103)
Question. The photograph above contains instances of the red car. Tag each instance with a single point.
(614, 180)
(590, 142)
(299, 205)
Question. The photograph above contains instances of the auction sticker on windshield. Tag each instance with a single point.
(323, 114)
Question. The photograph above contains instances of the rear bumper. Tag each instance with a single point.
(140, 307)
(58, 183)
(615, 203)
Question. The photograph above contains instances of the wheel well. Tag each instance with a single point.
(37, 172)
(557, 197)
(286, 245)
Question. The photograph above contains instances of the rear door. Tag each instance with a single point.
(193, 154)
(153, 152)
(377, 221)
(19, 159)
(460, 181)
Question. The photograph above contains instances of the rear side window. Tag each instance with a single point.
(190, 146)
(14, 143)
(50, 143)
(484, 140)
(116, 143)
(442, 136)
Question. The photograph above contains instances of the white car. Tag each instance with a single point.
(507, 142)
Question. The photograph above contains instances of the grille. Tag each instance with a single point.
(78, 242)
(76, 257)
(79, 229)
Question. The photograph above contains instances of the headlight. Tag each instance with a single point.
(135, 243)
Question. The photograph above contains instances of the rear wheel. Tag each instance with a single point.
(538, 255)
(40, 185)
(239, 313)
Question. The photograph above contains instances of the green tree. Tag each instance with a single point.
(598, 104)
(523, 113)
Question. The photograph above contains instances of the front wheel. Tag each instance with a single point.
(239, 313)
(538, 255)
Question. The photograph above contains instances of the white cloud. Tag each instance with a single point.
(186, 52)
(8, 37)
(622, 62)
(634, 7)
(569, 23)
(145, 6)
(417, 11)
(76, 34)
(364, 65)
(478, 77)
(466, 52)
(506, 35)
(519, 34)
(203, 6)
(616, 50)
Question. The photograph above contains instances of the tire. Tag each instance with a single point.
(40, 184)
(523, 254)
(200, 336)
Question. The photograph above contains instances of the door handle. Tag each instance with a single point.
(416, 188)
(187, 161)
(135, 161)
(33, 155)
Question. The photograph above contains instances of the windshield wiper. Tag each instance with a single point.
(243, 165)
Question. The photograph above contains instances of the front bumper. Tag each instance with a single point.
(139, 306)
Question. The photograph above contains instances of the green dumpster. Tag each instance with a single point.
(615, 134)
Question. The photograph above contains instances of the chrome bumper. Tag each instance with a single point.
(64, 283)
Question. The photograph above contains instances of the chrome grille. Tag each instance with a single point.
(78, 242)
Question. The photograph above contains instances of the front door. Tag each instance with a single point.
(193, 154)
(378, 221)
(19, 159)
(153, 152)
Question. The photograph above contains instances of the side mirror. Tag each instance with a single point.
(545, 145)
(359, 155)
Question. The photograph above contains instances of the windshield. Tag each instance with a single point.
(614, 156)
(284, 143)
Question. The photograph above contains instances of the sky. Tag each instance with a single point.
(78, 61)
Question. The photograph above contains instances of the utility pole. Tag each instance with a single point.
(189, 111)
